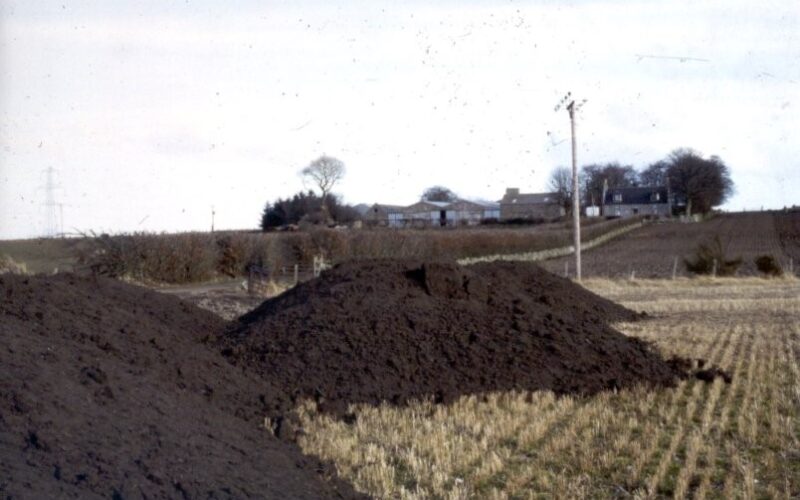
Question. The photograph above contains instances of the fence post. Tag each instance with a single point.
(714, 269)
(791, 266)
(295, 273)
(633, 274)
(674, 266)
(566, 269)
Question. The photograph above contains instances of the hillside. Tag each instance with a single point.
(650, 252)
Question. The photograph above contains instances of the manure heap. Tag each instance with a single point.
(107, 392)
(375, 331)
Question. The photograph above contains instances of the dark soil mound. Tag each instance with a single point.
(394, 331)
(105, 391)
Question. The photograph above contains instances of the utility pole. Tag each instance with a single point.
(212, 218)
(568, 102)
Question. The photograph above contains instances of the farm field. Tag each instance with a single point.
(699, 439)
(43, 255)
(650, 252)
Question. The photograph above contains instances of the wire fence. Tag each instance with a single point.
(260, 280)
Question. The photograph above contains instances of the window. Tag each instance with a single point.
(491, 214)
(655, 197)
(617, 197)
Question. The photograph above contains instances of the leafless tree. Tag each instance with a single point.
(439, 193)
(560, 182)
(325, 172)
(655, 175)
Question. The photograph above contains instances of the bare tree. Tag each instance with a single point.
(439, 193)
(655, 175)
(325, 172)
(560, 182)
(612, 174)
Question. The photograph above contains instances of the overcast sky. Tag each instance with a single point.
(152, 112)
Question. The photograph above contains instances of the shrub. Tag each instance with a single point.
(233, 254)
(711, 258)
(768, 265)
(308, 208)
(9, 265)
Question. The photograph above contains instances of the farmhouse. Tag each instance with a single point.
(516, 205)
(629, 202)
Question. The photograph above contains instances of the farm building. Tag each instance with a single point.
(433, 214)
(384, 215)
(516, 205)
(629, 202)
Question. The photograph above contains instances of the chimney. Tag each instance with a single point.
(512, 191)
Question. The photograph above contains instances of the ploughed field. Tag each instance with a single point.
(698, 439)
(651, 252)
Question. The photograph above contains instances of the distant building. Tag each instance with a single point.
(633, 201)
(530, 206)
(385, 215)
(433, 214)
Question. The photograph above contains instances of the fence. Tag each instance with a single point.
(553, 252)
(262, 280)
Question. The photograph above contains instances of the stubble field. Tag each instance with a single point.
(699, 439)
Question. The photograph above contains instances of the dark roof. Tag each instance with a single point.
(637, 195)
(530, 198)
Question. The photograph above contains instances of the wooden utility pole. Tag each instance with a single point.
(573, 108)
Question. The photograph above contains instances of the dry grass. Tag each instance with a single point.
(701, 440)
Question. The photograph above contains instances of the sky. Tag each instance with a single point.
(153, 113)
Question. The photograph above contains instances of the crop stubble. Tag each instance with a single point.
(701, 440)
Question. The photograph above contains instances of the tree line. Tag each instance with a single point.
(703, 183)
(308, 207)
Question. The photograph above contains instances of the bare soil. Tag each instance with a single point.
(397, 331)
(107, 391)
(652, 251)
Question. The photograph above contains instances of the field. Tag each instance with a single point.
(43, 255)
(488, 342)
(201, 257)
(652, 251)
(700, 439)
